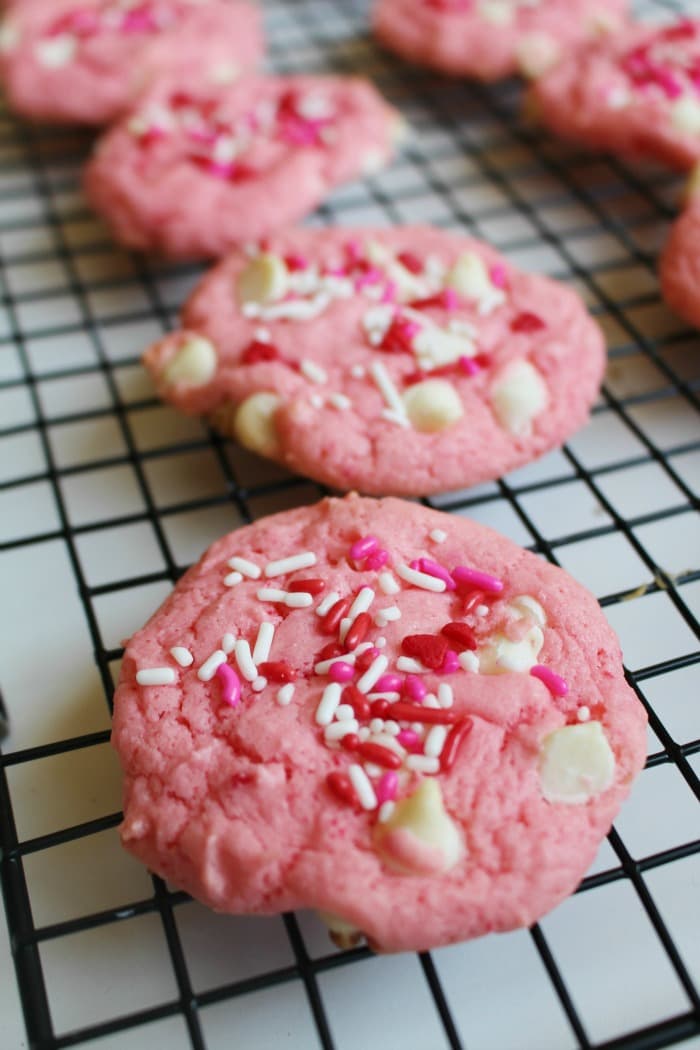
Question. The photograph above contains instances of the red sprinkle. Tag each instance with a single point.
(454, 741)
(527, 322)
(459, 634)
(277, 671)
(341, 786)
(383, 756)
(350, 741)
(405, 712)
(379, 708)
(366, 659)
(309, 586)
(329, 652)
(358, 630)
(331, 621)
(474, 599)
(410, 261)
(358, 702)
(430, 649)
(258, 351)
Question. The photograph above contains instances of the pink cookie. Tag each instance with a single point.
(193, 173)
(405, 360)
(387, 713)
(679, 268)
(490, 39)
(68, 61)
(636, 94)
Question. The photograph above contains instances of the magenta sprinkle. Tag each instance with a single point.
(362, 547)
(387, 787)
(389, 295)
(389, 683)
(450, 299)
(414, 688)
(230, 684)
(498, 275)
(554, 682)
(297, 262)
(468, 365)
(451, 663)
(341, 672)
(377, 560)
(432, 568)
(476, 580)
(408, 738)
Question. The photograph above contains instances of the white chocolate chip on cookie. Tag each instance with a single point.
(193, 364)
(432, 405)
(518, 395)
(685, 114)
(254, 423)
(469, 277)
(264, 280)
(423, 817)
(576, 763)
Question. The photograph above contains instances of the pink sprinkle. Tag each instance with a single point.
(450, 299)
(451, 663)
(473, 579)
(341, 672)
(389, 683)
(230, 684)
(408, 738)
(433, 569)
(297, 262)
(415, 688)
(554, 682)
(387, 787)
(410, 328)
(498, 275)
(362, 547)
(468, 365)
(377, 560)
(389, 295)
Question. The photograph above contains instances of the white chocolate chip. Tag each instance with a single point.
(254, 423)
(9, 36)
(469, 277)
(526, 605)
(57, 51)
(264, 280)
(435, 347)
(343, 934)
(685, 115)
(500, 654)
(518, 395)
(193, 364)
(423, 814)
(576, 763)
(432, 405)
(497, 11)
(536, 53)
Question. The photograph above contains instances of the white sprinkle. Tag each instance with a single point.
(391, 697)
(358, 371)
(391, 727)
(344, 712)
(394, 417)
(423, 763)
(285, 694)
(380, 643)
(344, 628)
(340, 401)
(482, 610)
(362, 603)
(232, 579)
(325, 665)
(430, 700)
(407, 663)
(386, 811)
(363, 787)
(285, 565)
(387, 583)
(313, 372)
(330, 700)
(363, 647)
(373, 673)
(156, 676)
(327, 603)
(181, 655)
(438, 535)
(583, 714)
(435, 741)
(337, 730)
(469, 661)
(57, 51)
(263, 643)
(387, 389)
(271, 594)
(373, 770)
(316, 401)
(245, 567)
(376, 725)
(388, 615)
(298, 600)
(262, 335)
(420, 579)
(363, 733)
(228, 642)
(445, 695)
(259, 684)
(208, 668)
(244, 660)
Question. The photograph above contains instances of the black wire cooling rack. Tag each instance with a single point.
(106, 496)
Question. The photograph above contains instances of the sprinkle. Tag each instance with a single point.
(408, 738)
(233, 579)
(554, 682)
(390, 683)
(341, 786)
(430, 700)
(181, 655)
(358, 371)
(263, 643)
(340, 671)
(285, 565)
(414, 688)
(387, 389)
(394, 417)
(228, 642)
(358, 630)
(498, 275)
(313, 372)
(327, 603)
(454, 741)
(445, 695)
(376, 725)
(391, 727)
(450, 663)
(381, 756)
(285, 694)
(472, 578)
(386, 810)
(405, 712)
(337, 730)
(469, 661)
(340, 401)
(583, 714)
(259, 684)
(310, 586)
(362, 602)
(388, 584)
(208, 668)
(388, 615)
(363, 787)
(344, 712)
(331, 621)
(330, 700)
(373, 674)
(316, 401)
(433, 569)
(407, 663)
(391, 696)
(435, 741)
(156, 676)
(362, 547)
(230, 684)
(420, 579)
(353, 698)
(438, 535)
(423, 763)
(377, 560)
(430, 649)
(271, 594)
(460, 634)
(292, 599)
(324, 666)
(245, 567)
(277, 671)
(245, 661)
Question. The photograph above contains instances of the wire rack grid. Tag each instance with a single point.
(106, 496)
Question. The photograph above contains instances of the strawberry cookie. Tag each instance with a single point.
(191, 173)
(389, 714)
(636, 94)
(405, 360)
(82, 62)
(491, 39)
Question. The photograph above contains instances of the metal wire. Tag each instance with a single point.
(472, 164)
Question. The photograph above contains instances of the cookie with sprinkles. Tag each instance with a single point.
(636, 94)
(364, 704)
(492, 39)
(82, 62)
(192, 172)
(406, 360)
